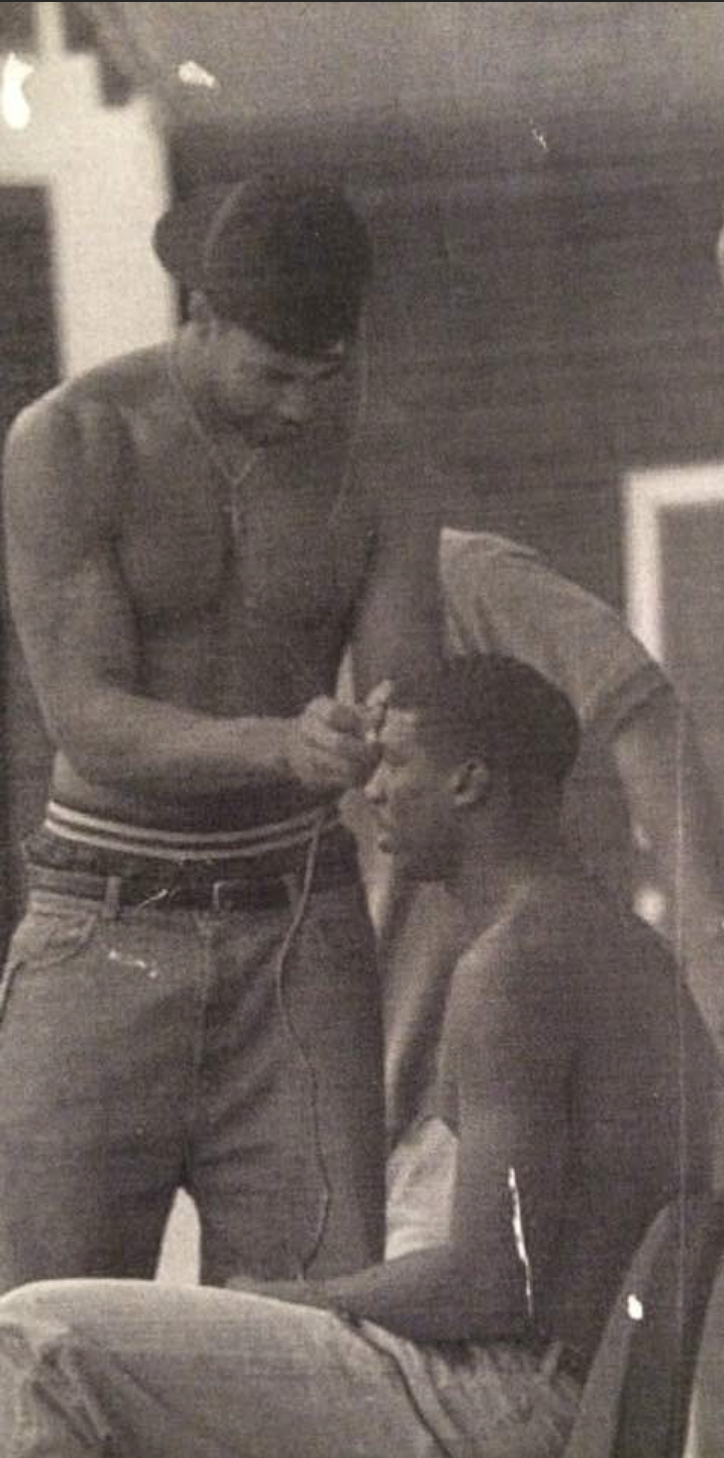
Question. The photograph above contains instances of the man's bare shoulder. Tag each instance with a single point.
(523, 959)
(67, 453)
(564, 942)
(119, 386)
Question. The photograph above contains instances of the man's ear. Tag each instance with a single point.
(471, 782)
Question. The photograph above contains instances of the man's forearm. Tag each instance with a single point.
(673, 802)
(426, 1296)
(129, 741)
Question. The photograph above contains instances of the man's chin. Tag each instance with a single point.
(388, 843)
(406, 863)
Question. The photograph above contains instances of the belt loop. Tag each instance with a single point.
(112, 898)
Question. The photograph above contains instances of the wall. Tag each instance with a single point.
(397, 88)
(544, 333)
(105, 172)
(28, 347)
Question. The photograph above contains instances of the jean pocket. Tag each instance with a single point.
(53, 930)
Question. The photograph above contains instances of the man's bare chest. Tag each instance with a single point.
(193, 542)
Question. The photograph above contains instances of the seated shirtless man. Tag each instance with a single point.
(574, 1077)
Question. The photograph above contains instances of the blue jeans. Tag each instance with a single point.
(155, 1049)
(92, 1369)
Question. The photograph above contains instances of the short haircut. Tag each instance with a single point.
(501, 710)
(286, 258)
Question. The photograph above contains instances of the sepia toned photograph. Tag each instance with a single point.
(362, 729)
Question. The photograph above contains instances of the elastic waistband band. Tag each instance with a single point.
(115, 835)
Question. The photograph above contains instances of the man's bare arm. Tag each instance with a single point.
(674, 804)
(398, 629)
(508, 1202)
(81, 644)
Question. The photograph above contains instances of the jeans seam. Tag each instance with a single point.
(204, 931)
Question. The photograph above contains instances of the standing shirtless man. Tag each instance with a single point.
(191, 999)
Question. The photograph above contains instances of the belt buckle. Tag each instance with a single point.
(220, 890)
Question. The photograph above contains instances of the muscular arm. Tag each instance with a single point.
(674, 805)
(64, 498)
(511, 1069)
(397, 633)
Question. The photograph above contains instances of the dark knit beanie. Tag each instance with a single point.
(287, 260)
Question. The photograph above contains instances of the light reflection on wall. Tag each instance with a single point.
(14, 103)
(104, 168)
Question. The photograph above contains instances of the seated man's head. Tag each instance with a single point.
(483, 750)
(276, 271)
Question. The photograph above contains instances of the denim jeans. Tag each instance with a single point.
(157, 1049)
(92, 1369)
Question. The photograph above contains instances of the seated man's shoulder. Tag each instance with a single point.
(525, 954)
(573, 972)
(622, 983)
(601, 937)
(565, 933)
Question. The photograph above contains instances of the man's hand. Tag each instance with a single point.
(326, 747)
(375, 711)
(298, 1293)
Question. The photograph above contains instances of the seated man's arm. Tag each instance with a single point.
(674, 804)
(63, 511)
(511, 1062)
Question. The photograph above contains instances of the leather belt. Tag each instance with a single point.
(247, 893)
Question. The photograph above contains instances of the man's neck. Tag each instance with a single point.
(194, 387)
(492, 874)
(190, 369)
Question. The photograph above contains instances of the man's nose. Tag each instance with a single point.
(374, 789)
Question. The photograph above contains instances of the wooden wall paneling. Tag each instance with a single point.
(542, 338)
(29, 352)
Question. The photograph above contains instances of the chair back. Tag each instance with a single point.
(636, 1400)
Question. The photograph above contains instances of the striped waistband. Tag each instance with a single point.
(180, 845)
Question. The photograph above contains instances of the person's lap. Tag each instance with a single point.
(203, 1374)
(150, 1371)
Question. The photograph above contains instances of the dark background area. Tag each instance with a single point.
(544, 183)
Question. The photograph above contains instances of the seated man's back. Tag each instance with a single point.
(570, 1014)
